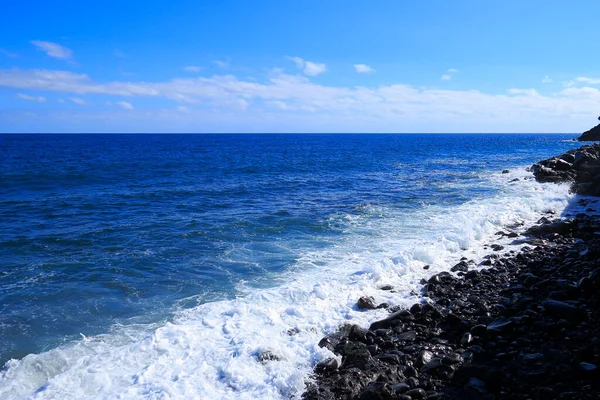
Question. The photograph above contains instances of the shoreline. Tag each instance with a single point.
(524, 327)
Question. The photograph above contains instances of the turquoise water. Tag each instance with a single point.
(99, 231)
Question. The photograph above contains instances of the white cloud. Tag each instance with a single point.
(54, 50)
(78, 101)
(546, 79)
(313, 69)
(61, 101)
(293, 102)
(308, 67)
(363, 68)
(124, 105)
(524, 92)
(449, 74)
(37, 99)
(183, 109)
(192, 68)
(221, 64)
(588, 81)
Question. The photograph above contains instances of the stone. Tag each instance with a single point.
(366, 303)
(587, 367)
(359, 358)
(564, 310)
(499, 324)
(407, 336)
(328, 365)
(377, 391)
(417, 394)
(393, 320)
(267, 355)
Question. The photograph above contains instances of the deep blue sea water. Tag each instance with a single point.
(129, 236)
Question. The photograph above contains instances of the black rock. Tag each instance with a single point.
(359, 358)
(590, 136)
(393, 320)
(331, 364)
(407, 336)
(417, 394)
(366, 303)
(267, 355)
(377, 391)
(564, 310)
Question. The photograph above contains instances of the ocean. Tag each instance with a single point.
(162, 266)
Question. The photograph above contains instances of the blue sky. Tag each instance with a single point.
(299, 66)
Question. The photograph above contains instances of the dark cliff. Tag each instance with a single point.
(591, 136)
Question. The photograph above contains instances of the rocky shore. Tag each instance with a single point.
(592, 135)
(520, 326)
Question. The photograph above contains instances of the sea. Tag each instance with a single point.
(163, 266)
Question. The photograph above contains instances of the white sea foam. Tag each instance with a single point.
(210, 351)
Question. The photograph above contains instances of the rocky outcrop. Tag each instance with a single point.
(526, 328)
(579, 166)
(593, 135)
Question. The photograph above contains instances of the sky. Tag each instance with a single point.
(299, 66)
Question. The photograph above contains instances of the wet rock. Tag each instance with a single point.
(267, 355)
(359, 358)
(461, 266)
(466, 339)
(328, 365)
(377, 391)
(393, 320)
(407, 336)
(417, 394)
(423, 358)
(588, 367)
(564, 310)
(524, 328)
(366, 303)
(500, 324)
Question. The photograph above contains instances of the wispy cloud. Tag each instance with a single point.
(124, 105)
(449, 74)
(308, 67)
(53, 50)
(284, 95)
(192, 68)
(79, 101)
(525, 92)
(588, 81)
(8, 53)
(221, 64)
(547, 79)
(363, 68)
(37, 99)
